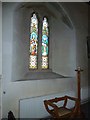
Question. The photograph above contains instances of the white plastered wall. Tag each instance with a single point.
(0, 38)
(0, 52)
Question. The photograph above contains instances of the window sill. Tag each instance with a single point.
(40, 75)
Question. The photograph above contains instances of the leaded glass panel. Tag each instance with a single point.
(45, 44)
(33, 42)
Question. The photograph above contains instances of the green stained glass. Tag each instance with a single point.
(45, 44)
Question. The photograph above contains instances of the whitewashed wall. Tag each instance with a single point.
(81, 30)
(0, 52)
(0, 38)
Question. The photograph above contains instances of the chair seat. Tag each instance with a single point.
(61, 111)
(64, 111)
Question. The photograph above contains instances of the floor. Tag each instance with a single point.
(86, 110)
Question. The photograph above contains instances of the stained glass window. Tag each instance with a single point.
(33, 42)
(45, 44)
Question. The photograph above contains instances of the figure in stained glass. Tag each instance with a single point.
(44, 45)
(33, 44)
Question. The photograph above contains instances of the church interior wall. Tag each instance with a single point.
(68, 52)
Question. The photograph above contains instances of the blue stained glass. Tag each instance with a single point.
(45, 39)
(33, 35)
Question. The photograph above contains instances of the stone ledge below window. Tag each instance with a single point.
(41, 75)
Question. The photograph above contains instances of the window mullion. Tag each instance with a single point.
(39, 44)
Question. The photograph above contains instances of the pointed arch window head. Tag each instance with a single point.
(43, 54)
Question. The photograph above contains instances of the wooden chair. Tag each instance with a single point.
(61, 112)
